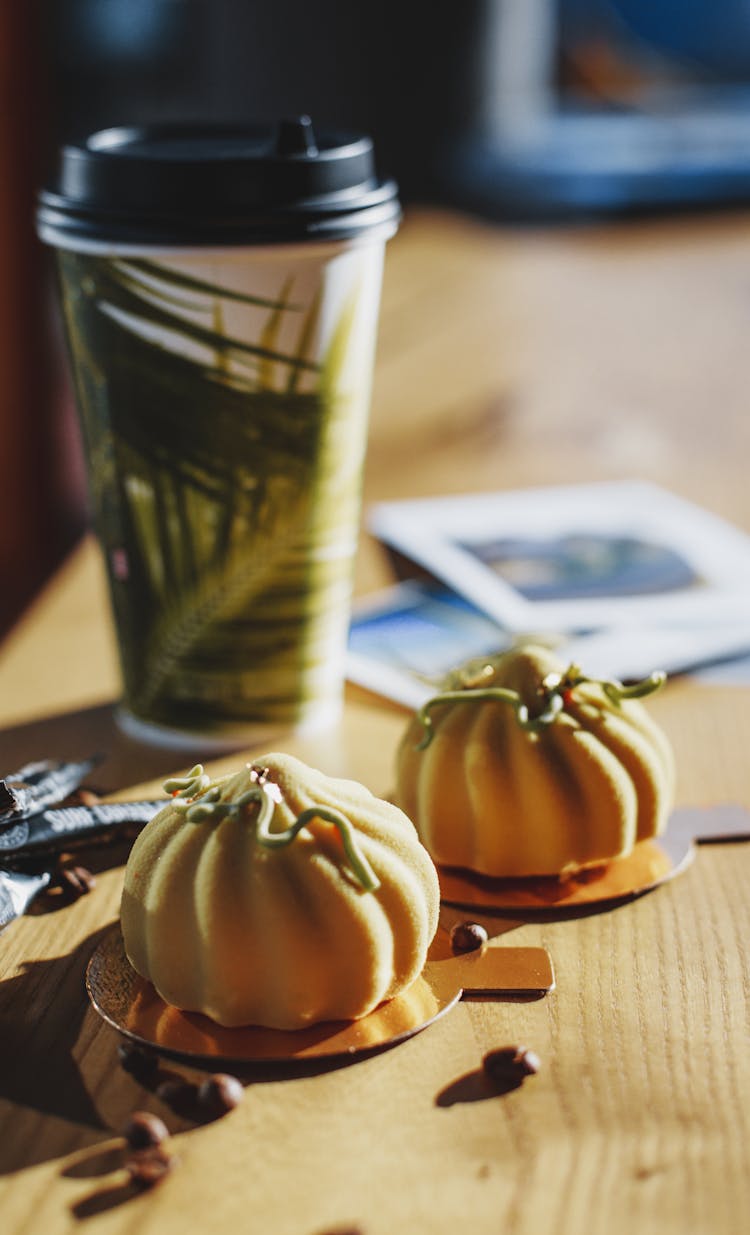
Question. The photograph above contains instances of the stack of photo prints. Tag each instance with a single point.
(620, 577)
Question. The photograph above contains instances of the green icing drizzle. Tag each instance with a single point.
(200, 802)
(360, 867)
(188, 786)
(554, 689)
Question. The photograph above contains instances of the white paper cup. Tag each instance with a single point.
(224, 392)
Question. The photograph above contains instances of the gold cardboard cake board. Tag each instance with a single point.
(131, 1005)
(646, 867)
(651, 863)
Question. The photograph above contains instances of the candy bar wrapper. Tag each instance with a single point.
(64, 827)
(40, 784)
(17, 892)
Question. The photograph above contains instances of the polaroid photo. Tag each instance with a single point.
(577, 558)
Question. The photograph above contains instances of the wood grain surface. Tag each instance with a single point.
(506, 358)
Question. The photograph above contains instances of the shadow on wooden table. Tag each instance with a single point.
(76, 735)
(41, 1013)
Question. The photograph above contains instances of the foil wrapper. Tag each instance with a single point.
(17, 891)
(33, 829)
(40, 784)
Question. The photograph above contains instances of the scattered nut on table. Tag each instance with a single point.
(468, 937)
(219, 1094)
(143, 1130)
(510, 1065)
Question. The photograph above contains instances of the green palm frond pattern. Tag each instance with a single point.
(225, 481)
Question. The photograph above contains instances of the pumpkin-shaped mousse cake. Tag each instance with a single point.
(278, 897)
(521, 767)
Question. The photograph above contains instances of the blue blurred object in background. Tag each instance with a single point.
(607, 106)
(714, 36)
(526, 108)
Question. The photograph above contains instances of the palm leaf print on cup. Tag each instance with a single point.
(225, 430)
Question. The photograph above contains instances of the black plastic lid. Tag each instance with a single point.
(209, 184)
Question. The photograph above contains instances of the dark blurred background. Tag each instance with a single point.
(525, 111)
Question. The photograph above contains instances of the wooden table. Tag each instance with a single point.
(506, 358)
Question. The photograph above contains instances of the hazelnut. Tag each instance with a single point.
(144, 1130)
(74, 880)
(219, 1094)
(468, 937)
(508, 1066)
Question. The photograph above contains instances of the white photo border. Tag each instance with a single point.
(432, 532)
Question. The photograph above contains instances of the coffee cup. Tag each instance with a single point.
(220, 290)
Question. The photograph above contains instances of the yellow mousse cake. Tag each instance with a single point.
(522, 767)
(278, 897)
